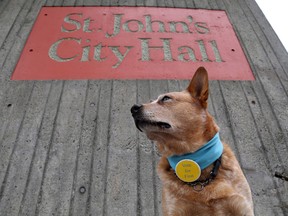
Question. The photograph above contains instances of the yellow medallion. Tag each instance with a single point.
(188, 170)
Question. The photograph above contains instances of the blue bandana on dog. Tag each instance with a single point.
(204, 156)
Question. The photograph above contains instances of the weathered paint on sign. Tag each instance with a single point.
(131, 43)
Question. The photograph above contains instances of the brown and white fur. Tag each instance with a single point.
(179, 123)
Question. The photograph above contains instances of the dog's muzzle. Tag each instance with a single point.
(141, 121)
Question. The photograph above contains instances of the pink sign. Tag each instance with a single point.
(131, 43)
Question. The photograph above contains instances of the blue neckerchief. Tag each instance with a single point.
(204, 156)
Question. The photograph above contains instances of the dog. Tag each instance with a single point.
(199, 173)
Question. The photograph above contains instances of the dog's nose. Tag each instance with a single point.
(135, 108)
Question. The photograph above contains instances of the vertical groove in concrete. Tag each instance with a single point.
(225, 119)
(100, 148)
(154, 169)
(24, 197)
(161, 3)
(90, 179)
(230, 120)
(138, 167)
(150, 3)
(104, 213)
(201, 4)
(169, 3)
(6, 173)
(121, 178)
(8, 17)
(179, 3)
(190, 3)
(40, 193)
(15, 26)
(10, 128)
(154, 165)
(74, 182)
(139, 3)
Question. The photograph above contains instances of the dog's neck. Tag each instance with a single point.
(203, 158)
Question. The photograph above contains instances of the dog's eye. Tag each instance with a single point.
(166, 98)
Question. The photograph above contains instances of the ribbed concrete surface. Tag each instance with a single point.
(71, 148)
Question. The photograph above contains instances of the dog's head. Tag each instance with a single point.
(175, 119)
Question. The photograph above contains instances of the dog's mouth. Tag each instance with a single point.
(140, 124)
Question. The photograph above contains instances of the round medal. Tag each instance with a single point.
(188, 170)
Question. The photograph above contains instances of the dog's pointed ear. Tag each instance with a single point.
(199, 86)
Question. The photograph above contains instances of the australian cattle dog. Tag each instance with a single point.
(199, 173)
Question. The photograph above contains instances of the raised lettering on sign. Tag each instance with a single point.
(186, 52)
(131, 43)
